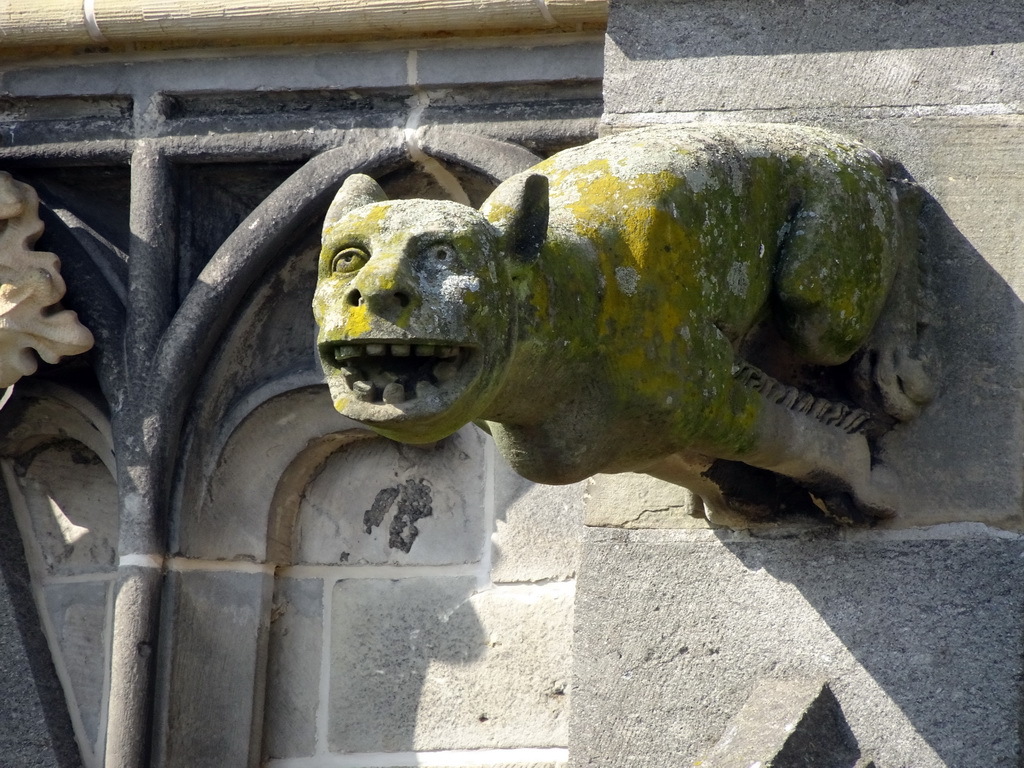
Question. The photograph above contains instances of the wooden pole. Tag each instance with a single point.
(88, 22)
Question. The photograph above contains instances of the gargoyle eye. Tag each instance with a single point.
(440, 252)
(349, 260)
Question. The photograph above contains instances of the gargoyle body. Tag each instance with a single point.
(636, 304)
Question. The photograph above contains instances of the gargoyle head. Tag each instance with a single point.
(416, 308)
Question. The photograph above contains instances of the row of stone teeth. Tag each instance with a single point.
(830, 413)
(345, 351)
(384, 385)
(393, 393)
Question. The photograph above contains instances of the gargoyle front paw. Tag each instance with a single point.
(903, 383)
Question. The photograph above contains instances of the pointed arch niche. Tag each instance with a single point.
(292, 528)
(59, 473)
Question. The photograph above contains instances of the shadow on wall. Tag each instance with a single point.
(920, 634)
(61, 497)
(34, 725)
(394, 643)
(919, 639)
(959, 459)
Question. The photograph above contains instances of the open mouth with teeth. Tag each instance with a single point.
(398, 373)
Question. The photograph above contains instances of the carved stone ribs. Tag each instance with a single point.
(826, 411)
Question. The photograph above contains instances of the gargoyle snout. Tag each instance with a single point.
(378, 300)
(384, 292)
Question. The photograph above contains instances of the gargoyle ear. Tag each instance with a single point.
(358, 189)
(527, 228)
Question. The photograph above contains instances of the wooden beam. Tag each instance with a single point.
(120, 22)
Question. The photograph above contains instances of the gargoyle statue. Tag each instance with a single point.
(717, 306)
(31, 319)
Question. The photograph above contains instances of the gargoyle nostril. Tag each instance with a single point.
(403, 299)
(354, 298)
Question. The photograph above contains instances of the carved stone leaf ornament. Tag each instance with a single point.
(31, 319)
(727, 307)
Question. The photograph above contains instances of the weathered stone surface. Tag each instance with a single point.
(786, 724)
(426, 664)
(210, 677)
(538, 528)
(630, 500)
(382, 502)
(293, 668)
(328, 70)
(231, 513)
(666, 56)
(918, 637)
(237, 75)
(78, 615)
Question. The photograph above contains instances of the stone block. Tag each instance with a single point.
(427, 664)
(293, 668)
(78, 614)
(631, 500)
(664, 56)
(347, 69)
(538, 528)
(381, 502)
(210, 674)
(919, 637)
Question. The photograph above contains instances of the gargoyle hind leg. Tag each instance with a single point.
(812, 441)
(691, 470)
(734, 493)
(817, 444)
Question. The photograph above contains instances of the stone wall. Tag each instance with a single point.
(913, 626)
